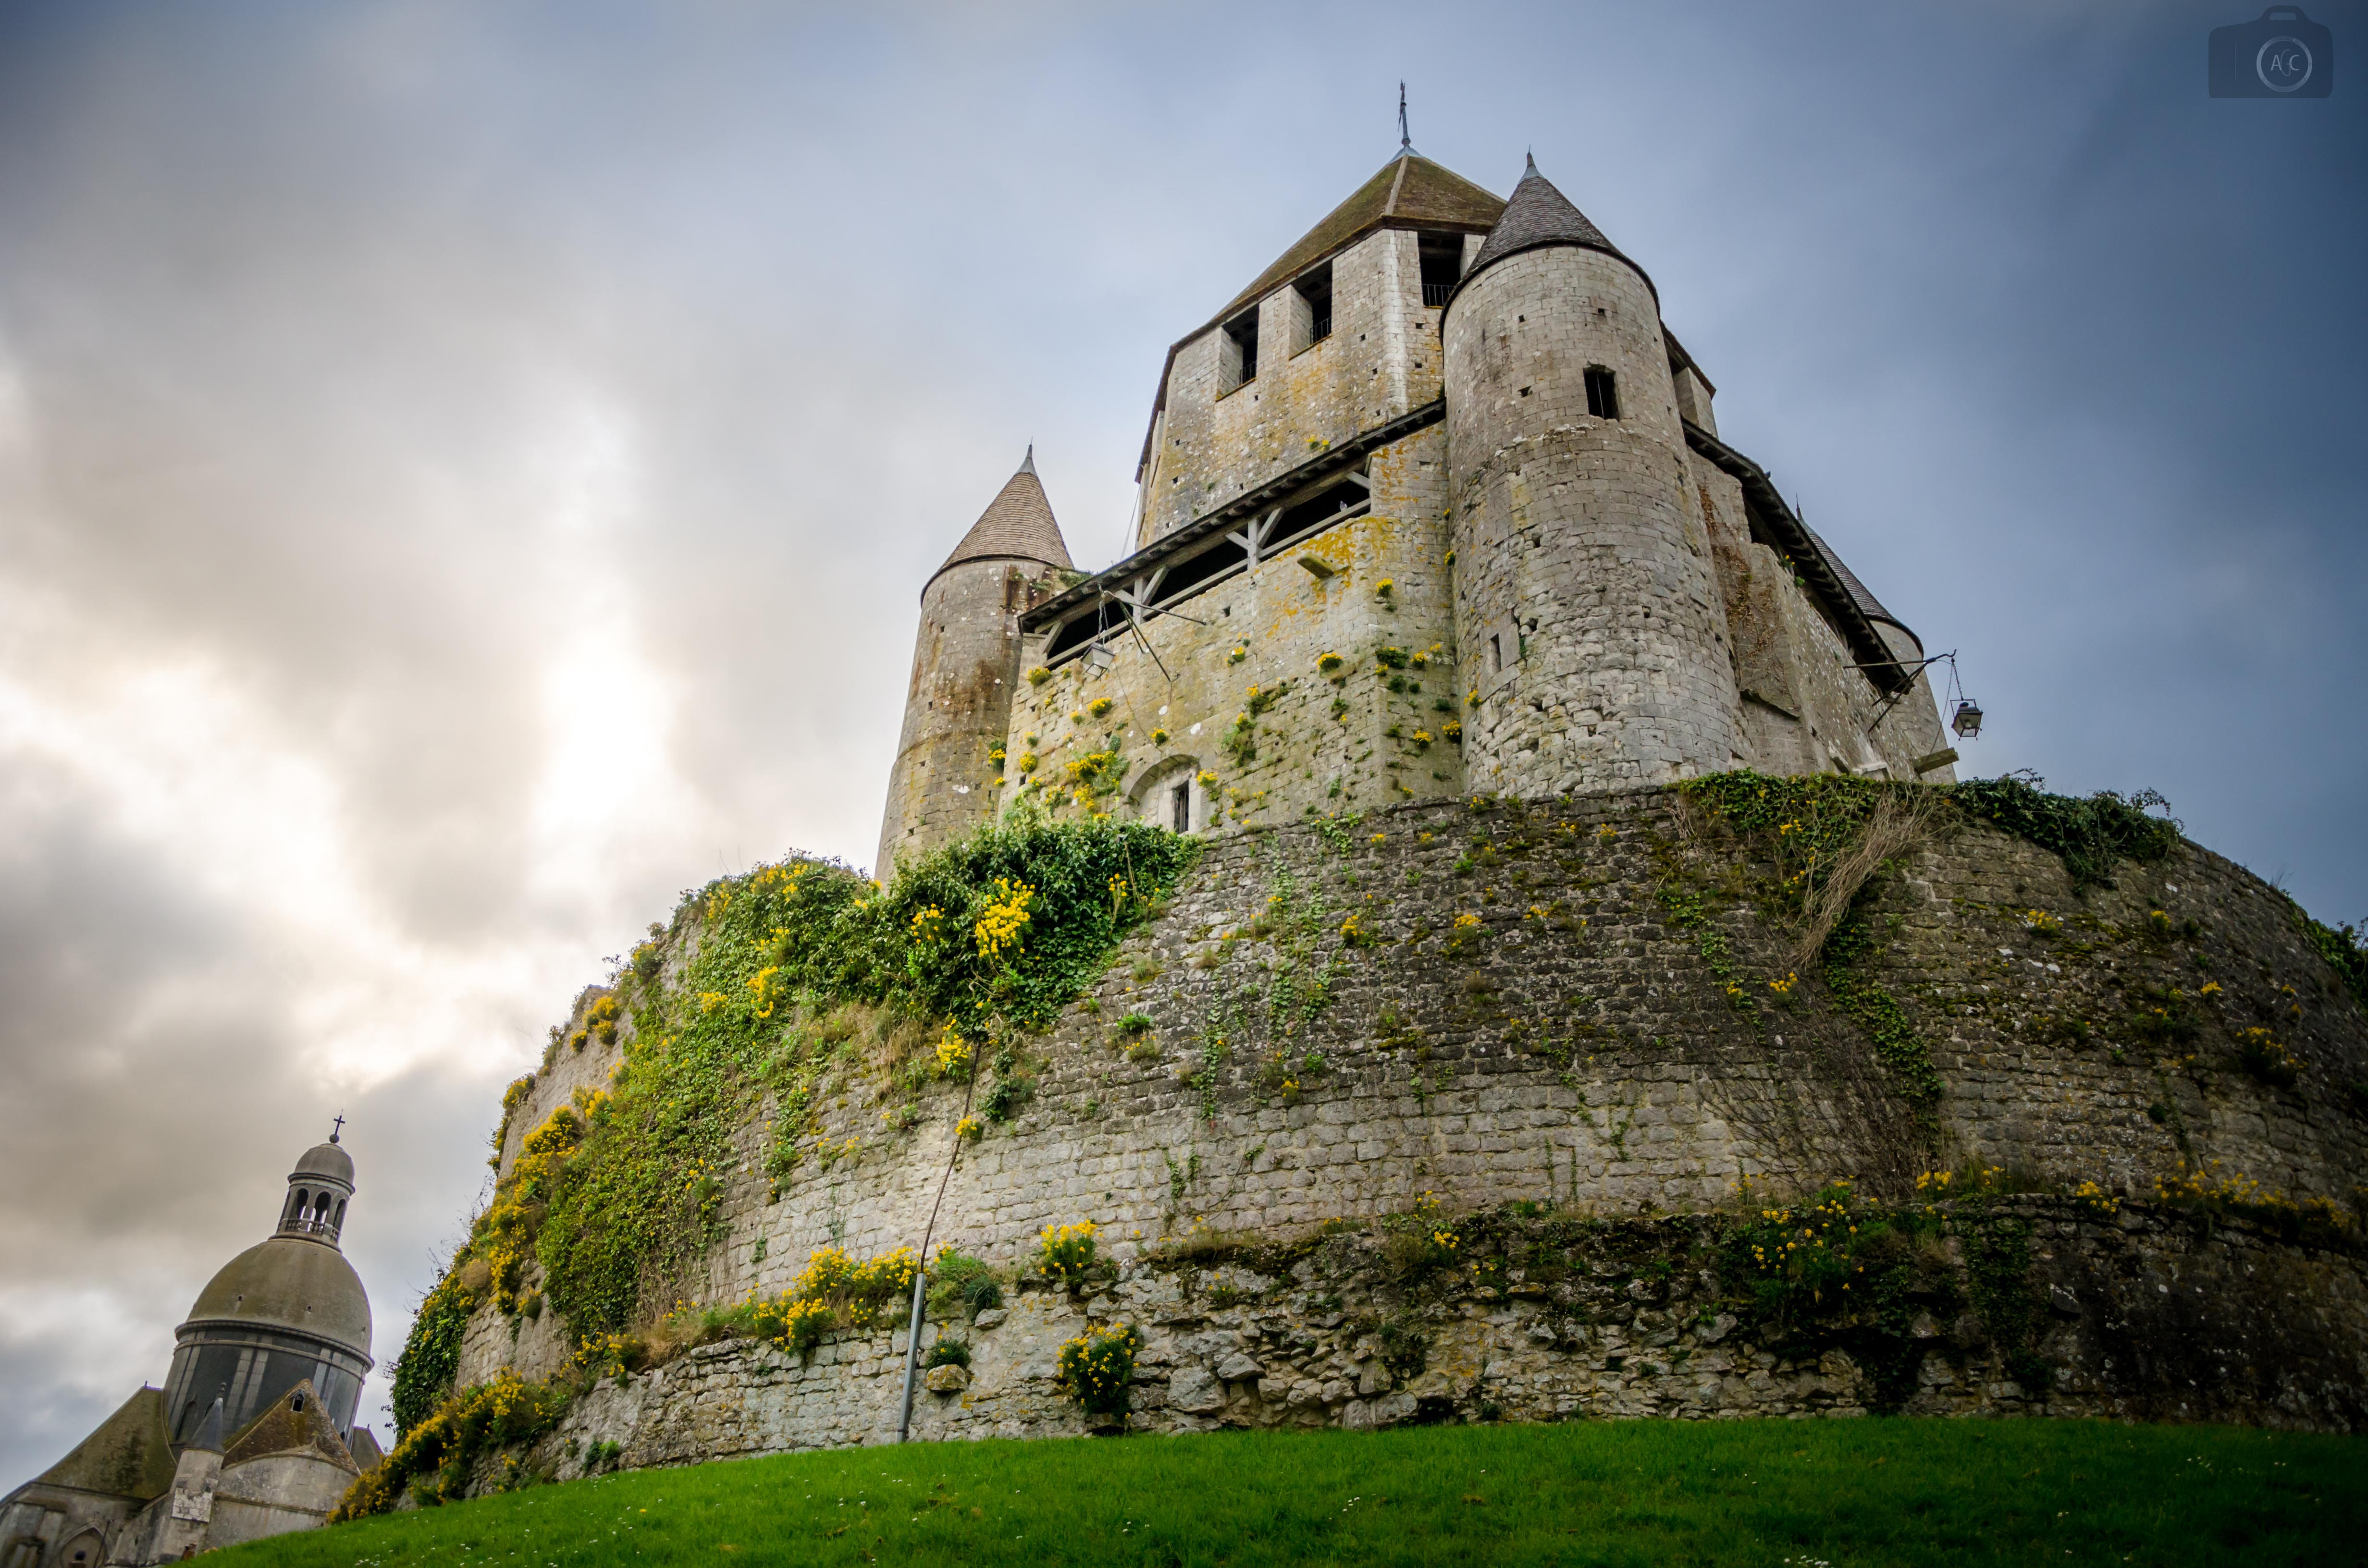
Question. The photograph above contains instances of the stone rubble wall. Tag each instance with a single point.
(1571, 1043)
(2151, 1314)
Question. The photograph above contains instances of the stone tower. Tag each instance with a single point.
(1588, 616)
(965, 662)
(286, 1310)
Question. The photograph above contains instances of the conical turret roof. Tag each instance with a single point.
(1538, 215)
(1017, 523)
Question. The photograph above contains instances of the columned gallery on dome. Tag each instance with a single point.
(253, 1433)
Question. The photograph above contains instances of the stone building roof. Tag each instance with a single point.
(295, 1423)
(129, 1454)
(291, 1282)
(1539, 215)
(1017, 523)
(1408, 192)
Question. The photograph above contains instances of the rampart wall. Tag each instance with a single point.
(1519, 1005)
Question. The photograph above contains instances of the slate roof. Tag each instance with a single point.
(128, 1455)
(1018, 522)
(1866, 601)
(284, 1429)
(1539, 215)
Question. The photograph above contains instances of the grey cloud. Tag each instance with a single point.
(318, 326)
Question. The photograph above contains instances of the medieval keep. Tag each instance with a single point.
(1436, 506)
(253, 1433)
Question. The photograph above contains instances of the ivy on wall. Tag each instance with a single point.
(617, 1197)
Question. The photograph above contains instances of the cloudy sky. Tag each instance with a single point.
(467, 471)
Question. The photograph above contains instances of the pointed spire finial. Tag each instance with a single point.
(1028, 463)
(1405, 139)
(1532, 157)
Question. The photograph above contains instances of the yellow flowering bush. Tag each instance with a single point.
(1066, 1253)
(433, 1461)
(953, 1054)
(1097, 1367)
(1098, 706)
(1039, 675)
(1329, 664)
(970, 1129)
(1006, 919)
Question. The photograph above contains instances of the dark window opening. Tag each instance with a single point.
(1602, 393)
(1179, 806)
(1242, 362)
(1316, 290)
(1442, 264)
(1495, 654)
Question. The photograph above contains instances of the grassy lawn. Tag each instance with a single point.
(1762, 1493)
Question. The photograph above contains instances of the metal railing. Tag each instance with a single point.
(1434, 294)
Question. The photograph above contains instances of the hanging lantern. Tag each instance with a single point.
(1967, 720)
(1099, 657)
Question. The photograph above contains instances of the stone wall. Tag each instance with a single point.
(1588, 612)
(2148, 1314)
(1499, 1005)
(1210, 443)
(1326, 743)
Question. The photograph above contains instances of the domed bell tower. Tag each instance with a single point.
(287, 1309)
(1590, 642)
(965, 663)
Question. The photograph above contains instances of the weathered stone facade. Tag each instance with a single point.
(1518, 1017)
(1454, 516)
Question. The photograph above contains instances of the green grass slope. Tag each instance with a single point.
(1768, 1492)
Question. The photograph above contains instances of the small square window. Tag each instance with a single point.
(1603, 392)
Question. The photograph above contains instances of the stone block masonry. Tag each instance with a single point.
(1502, 1006)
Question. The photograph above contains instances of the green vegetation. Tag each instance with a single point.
(423, 1372)
(2089, 835)
(792, 971)
(2344, 947)
(1751, 1494)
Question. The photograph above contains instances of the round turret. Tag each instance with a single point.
(965, 660)
(1591, 644)
(287, 1309)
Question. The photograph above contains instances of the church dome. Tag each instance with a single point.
(325, 1160)
(291, 1283)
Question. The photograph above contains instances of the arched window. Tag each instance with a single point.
(296, 1202)
(340, 1220)
(321, 1210)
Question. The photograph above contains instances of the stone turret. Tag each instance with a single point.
(965, 662)
(1588, 616)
